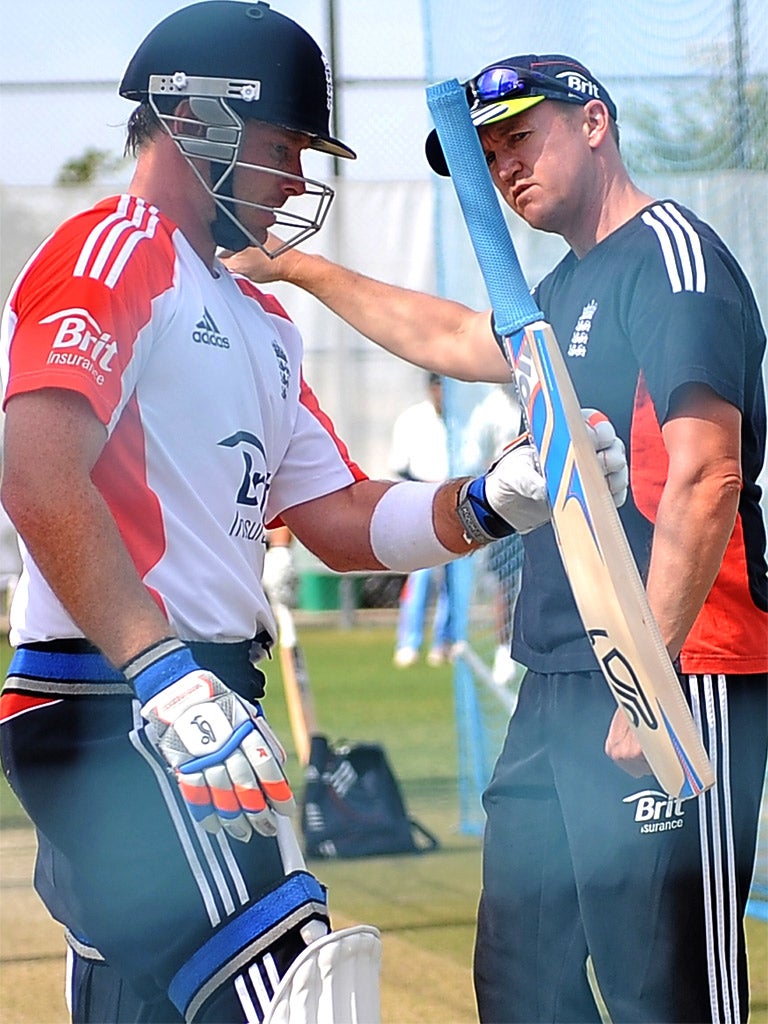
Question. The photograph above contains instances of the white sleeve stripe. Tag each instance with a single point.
(678, 240)
(666, 250)
(107, 246)
(680, 247)
(122, 236)
(128, 246)
(90, 242)
(695, 244)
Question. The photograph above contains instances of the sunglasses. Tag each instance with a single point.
(502, 82)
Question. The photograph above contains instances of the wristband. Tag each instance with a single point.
(401, 532)
(157, 666)
(481, 523)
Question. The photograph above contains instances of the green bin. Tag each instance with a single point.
(318, 592)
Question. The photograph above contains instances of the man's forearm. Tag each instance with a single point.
(690, 537)
(78, 549)
(437, 334)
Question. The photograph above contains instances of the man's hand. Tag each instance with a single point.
(511, 497)
(622, 747)
(226, 759)
(259, 267)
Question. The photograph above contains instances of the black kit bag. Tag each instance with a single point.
(353, 806)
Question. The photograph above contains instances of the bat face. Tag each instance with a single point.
(600, 567)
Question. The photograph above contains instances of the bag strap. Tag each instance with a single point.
(423, 839)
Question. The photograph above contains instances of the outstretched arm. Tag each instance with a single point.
(438, 334)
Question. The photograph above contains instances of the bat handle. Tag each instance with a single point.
(290, 850)
(293, 860)
(510, 297)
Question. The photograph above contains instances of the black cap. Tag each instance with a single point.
(544, 76)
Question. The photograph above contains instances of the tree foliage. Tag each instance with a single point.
(87, 168)
(695, 127)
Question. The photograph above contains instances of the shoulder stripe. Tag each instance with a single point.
(695, 245)
(129, 244)
(680, 248)
(109, 246)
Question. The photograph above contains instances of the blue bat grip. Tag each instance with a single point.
(513, 306)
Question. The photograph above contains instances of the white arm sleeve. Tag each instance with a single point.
(402, 533)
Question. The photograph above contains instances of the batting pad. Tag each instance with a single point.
(334, 981)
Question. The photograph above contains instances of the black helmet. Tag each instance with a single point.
(244, 43)
(233, 61)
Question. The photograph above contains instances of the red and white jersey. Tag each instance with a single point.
(211, 430)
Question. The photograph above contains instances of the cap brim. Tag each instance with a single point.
(332, 146)
(489, 113)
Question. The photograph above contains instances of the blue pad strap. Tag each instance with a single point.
(296, 891)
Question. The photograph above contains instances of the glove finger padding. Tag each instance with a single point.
(270, 775)
(610, 452)
(226, 759)
(197, 796)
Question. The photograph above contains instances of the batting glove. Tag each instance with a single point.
(512, 498)
(279, 577)
(226, 759)
(611, 453)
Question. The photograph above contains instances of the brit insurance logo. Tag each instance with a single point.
(81, 343)
(577, 346)
(656, 811)
(578, 83)
(252, 491)
(207, 333)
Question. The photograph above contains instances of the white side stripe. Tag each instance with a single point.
(164, 783)
(251, 1014)
(722, 923)
(707, 735)
(716, 859)
(680, 248)
(732, 975)
(234, 868)
(205, 839)
(263, 994)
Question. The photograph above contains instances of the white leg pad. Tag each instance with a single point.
(334, 981)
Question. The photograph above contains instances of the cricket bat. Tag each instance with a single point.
(598, 561)
(298, 693)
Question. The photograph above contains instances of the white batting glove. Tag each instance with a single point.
(611, 453)
(279, 577)
(226, 759)
(511, 497)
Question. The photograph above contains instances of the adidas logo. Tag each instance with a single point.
(207, 333)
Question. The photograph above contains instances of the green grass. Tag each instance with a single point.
(424, 905)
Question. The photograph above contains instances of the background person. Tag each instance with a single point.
(493, 423)
(419, 451)
(660, 329)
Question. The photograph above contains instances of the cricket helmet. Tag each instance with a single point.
(235, 61)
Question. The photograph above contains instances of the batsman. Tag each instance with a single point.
(157, 423)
